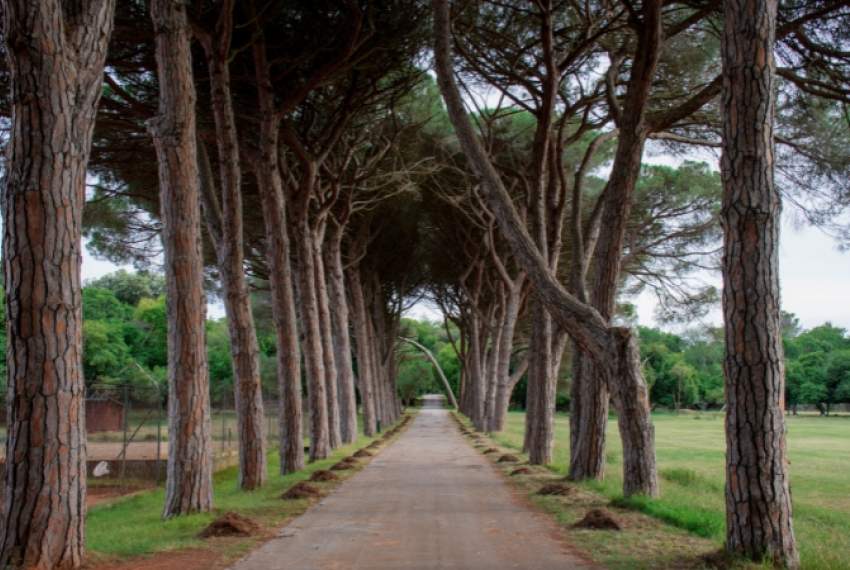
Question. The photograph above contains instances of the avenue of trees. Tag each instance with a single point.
(320, 166)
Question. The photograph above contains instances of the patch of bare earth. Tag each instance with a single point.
(189, 559)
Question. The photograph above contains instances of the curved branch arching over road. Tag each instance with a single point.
(436, 365)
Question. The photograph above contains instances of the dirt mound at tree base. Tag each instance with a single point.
(343, 465)
(301, 490)
(323, 475)
(558, 489)
(230, 524)
(598, 519)
(362, 453)
(508, 458)
(521, 471)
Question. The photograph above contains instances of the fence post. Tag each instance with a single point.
(126, 410)
(158, 436)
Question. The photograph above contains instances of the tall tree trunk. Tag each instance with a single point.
(588, 420)
(189, 473)
(328, 356)
(540, 374)
(244, 348)
(503, 366)
(476, 375)
(267, 170)
(341, 336)
(364, 356)
(225, 224)
(56, 68)
(314, 363)
(631, 398)
(758, 498)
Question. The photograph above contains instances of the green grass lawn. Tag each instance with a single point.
(133, 526)
(690, 449)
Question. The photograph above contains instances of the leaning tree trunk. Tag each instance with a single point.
(341, 337)
(586, 326)
(588, 420)
(328, 356)
(270, 185)
(189, 473)
(225, 223)
(758, 498)
(56, 69)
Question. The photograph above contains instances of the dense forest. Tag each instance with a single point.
(125, 330)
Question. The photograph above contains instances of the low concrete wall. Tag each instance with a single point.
(145, 469)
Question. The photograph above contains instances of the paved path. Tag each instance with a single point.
(429, 501)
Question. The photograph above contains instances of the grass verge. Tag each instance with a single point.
(644, 542)
(690, 449)
(133, 527)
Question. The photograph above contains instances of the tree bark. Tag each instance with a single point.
(189, 472)
(341, 336)
(364, 352)
(328, 356)
(503, 367)
(475, 388)
(588, 329)
(56, 69)
(588, 420)
(542, 384)
(270, 185)
(229, 246)
(631, 397)
(758, 496)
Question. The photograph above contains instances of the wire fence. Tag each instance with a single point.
(127, 431)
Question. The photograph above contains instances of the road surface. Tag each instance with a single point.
(429, 501)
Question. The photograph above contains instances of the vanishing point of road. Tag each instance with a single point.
(428, 501)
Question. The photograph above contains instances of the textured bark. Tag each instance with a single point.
(503, 366)
(588, 420)
(270, 187)
(341, 336)
(542, 384)
(310, 321)
(758, 497)
(492, 366)
(631, 397)
(364, 351)
(328, 356)
(229, 246)
(55, 63)
(605, 283)
(189, 472)
(475, 378)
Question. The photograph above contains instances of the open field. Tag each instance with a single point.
(690, 449)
